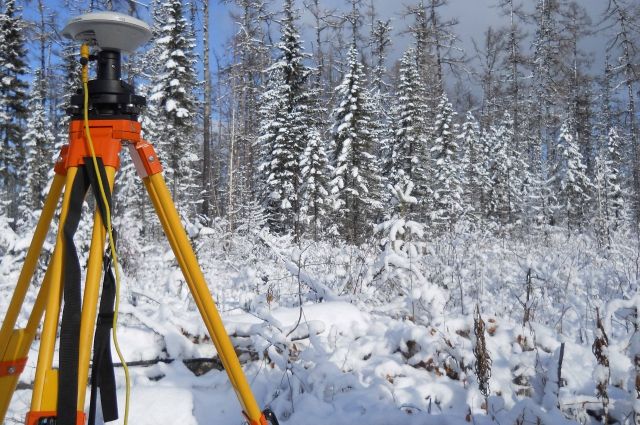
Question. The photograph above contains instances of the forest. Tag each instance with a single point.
(396, 227)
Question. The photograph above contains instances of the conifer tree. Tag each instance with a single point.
(285, 128)
(13, 67)
(402, 272)
(409, 159)
(355, 184)
(172, 94)
(475, 161)
(506, 186)
(315, 182)
(447, 205)
(538, 194)
(13, 100)
(513, 75)
(609, 190)
(610, 185)
(577, 26)
(616, 192)
(380, 40)
(403, 242)
(571, 180)
(39, 144)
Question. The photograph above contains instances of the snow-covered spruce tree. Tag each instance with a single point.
(409, 159)
(608, 161)
(512, 72)
(475, 161)
(172, 93)
(38, 142)
(381, 97)
(13, 104)
(355, 184)
(570, 179)
(447, 204)
(609, 192)
(315, 185)
(541, 199)
(506, 186)
(403, 245)
(284, 127)
(615, 192)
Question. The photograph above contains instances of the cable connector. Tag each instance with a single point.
(84, 61)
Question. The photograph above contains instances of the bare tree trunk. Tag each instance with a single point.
(436, 39)
(206, 154)
(231, 170)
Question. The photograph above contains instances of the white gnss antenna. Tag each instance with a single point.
(108, 31)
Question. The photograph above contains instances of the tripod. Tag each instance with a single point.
(107, 121)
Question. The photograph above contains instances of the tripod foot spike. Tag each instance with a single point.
(270, 417)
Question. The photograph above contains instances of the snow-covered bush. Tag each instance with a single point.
(400, 267)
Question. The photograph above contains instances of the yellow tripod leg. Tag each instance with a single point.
(181, 247)
(45, 396)
(188, 275)
(90, 299)
(25, 336)
(15, 343)
(30, 261)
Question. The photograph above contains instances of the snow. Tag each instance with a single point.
(160, 404)
(357, 350)
(372, 321)
(170, 105)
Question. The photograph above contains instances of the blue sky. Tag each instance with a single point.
(474, 17)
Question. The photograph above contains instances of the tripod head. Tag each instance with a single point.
(112, 33)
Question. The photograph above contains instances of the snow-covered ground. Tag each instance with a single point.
(369, 344)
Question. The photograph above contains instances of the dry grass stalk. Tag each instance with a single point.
(600, 349)
(481, 353)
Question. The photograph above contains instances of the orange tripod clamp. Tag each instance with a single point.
(108, 137)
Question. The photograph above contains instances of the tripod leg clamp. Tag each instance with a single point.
(12, 367)
(145, 159)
